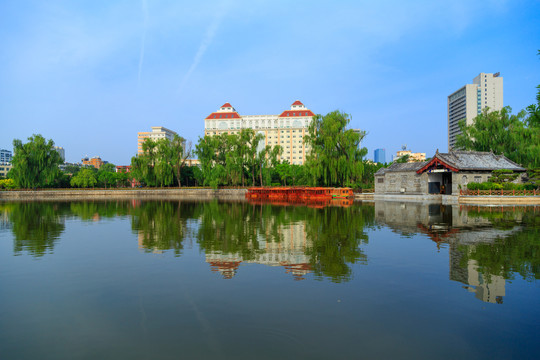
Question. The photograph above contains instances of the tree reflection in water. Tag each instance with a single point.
(36, 226)
(161, 225)
(484, 243)
(301, 239)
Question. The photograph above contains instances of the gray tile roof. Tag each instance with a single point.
(461, 160)
(400, 167)
(476, 160)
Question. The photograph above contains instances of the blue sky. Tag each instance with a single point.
(91, 74)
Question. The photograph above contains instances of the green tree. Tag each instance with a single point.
(403, 159)
(84, 178)
(226, 159)
(284, 171)
(35, 164)
(163, 167)
(335, 157)
(503, 133)
(106, 175)
(180, 152)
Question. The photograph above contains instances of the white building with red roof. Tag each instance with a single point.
(286, 129)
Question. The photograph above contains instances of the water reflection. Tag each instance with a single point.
(487, 245)
(300, 239)
(36, 227)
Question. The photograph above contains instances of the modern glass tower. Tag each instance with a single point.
(380, 156)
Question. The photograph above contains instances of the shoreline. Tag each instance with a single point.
(203, 194)
(125, 194)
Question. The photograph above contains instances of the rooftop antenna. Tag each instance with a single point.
(404, 147)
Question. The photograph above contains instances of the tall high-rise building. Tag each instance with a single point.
(380, 156)
(469, 101)
(60, 150)
(158, 132)
(286, 129)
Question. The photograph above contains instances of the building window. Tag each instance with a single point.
(477, 179)
(380, 180)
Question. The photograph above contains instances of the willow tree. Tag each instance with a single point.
(35, 164)
(227, 159)
(180, 152)
(335, 157)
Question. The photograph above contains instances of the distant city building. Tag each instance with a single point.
(413, 157)
(4, 169)
(380, 156)
(5, 156)
(95, 162)
(469, 101)
(61, 152)
(157, 133)
(286, 129)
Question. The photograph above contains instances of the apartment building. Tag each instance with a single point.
(286, 129)
(413, 157)
(95, 162)
(4, 169)
(469, 101)
(157, 133)
(5, 156)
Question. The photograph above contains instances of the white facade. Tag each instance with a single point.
(290, 250)
(157, 133)
(469, 101)
(286, 129)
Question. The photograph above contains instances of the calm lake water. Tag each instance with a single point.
(234, 280)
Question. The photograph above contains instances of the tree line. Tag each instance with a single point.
(335, 158)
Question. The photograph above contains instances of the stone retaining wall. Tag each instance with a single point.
(500, 200)
(455, 199)
(77, 194)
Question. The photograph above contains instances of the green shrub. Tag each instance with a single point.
(7, 184)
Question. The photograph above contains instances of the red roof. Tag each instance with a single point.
(297, 102)
(226, 105)
(296, 113)
(223, 115)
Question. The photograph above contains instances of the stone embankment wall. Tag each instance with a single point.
(119, 194)
(456, 199)
(500, 200)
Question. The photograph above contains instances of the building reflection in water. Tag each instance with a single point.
(290, 253)
(322, 239)
(487, 245)
(469, 232)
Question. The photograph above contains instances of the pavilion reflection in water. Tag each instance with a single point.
(454, 227)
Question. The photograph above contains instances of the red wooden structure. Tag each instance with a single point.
(298, 193)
